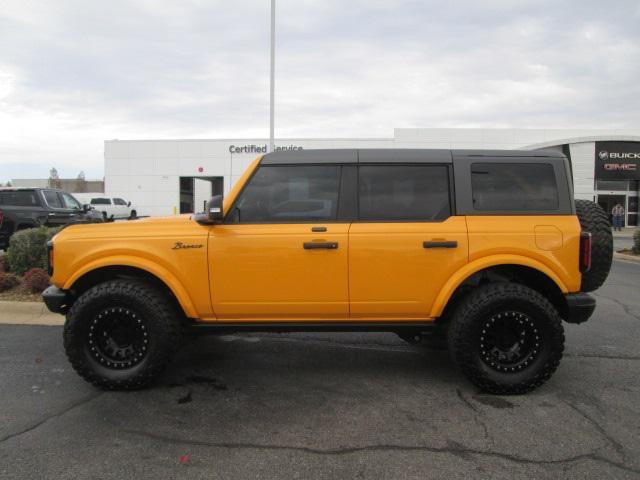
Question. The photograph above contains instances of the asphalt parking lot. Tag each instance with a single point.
(328, 406)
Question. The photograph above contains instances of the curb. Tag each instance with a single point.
(628, 258)
(28, 313)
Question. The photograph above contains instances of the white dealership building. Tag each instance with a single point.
(166, 177)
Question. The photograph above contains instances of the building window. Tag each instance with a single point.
(612, 185)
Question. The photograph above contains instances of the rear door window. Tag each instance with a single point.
(100, 201)
(514, 187)
(52, 198)
(404, 193)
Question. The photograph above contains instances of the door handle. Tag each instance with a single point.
(441, 244)
(317, 245)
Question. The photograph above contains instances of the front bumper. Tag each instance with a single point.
(56, 299)
(580, 307)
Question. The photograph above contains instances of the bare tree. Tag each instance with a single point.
(81, 183)
(54, 179)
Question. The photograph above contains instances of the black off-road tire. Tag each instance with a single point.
(593, 219)
(513, 302)
(138, 300)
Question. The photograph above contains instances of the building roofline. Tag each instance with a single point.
(266, 140)
(590, 138)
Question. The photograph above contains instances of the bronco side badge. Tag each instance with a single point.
(180, 245)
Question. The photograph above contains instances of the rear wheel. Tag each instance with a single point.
(506, 338)
(121, 334)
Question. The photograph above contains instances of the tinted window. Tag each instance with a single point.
(404, 192)
(119, 201)
(26, 198)
(514, 187)
(70, 202)
(100, 201)
(288, 194)
(52, 198)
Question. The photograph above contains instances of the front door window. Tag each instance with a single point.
(286, 194)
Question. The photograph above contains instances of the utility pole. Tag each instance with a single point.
(272, 77)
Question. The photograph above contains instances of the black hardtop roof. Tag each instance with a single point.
(393, 155)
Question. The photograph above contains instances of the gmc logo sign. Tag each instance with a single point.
(630, 167)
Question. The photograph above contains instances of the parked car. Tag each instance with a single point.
(22, 208)
(486, 250)
(112, 208)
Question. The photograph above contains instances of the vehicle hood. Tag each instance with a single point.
(174, 226)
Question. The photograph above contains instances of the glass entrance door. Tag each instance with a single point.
(607, 202)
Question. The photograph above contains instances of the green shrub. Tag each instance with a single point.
(636, 241)
(28, 249)
(3, 263)
(8, 281)
(36, 280)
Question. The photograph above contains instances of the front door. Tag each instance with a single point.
(282, 254)
(406, 244)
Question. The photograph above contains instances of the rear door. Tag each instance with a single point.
(120, 209)
(59, 212)
(102, 204)
(406, 243)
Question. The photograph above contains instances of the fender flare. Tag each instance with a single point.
(160, 272)
(482, 264)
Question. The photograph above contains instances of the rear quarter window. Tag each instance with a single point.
(517, 187)
(19, 198)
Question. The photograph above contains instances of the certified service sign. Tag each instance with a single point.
(617, 160)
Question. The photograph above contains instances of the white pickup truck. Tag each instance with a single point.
(113, 207)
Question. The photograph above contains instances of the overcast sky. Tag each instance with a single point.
(74, 73)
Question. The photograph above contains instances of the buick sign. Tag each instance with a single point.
(617, 160)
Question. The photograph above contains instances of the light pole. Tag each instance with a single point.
(272, 77)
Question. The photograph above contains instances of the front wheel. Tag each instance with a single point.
(121, 334)
(506, 338)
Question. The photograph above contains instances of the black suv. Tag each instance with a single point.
(22, 208)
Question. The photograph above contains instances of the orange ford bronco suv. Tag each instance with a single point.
(486, 249)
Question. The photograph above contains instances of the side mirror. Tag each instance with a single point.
(129, 204)
(214, 212)
(86, 207)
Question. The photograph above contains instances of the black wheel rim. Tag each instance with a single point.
(118, 338)
(510, 341)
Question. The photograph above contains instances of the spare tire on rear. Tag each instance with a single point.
(593, 219)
